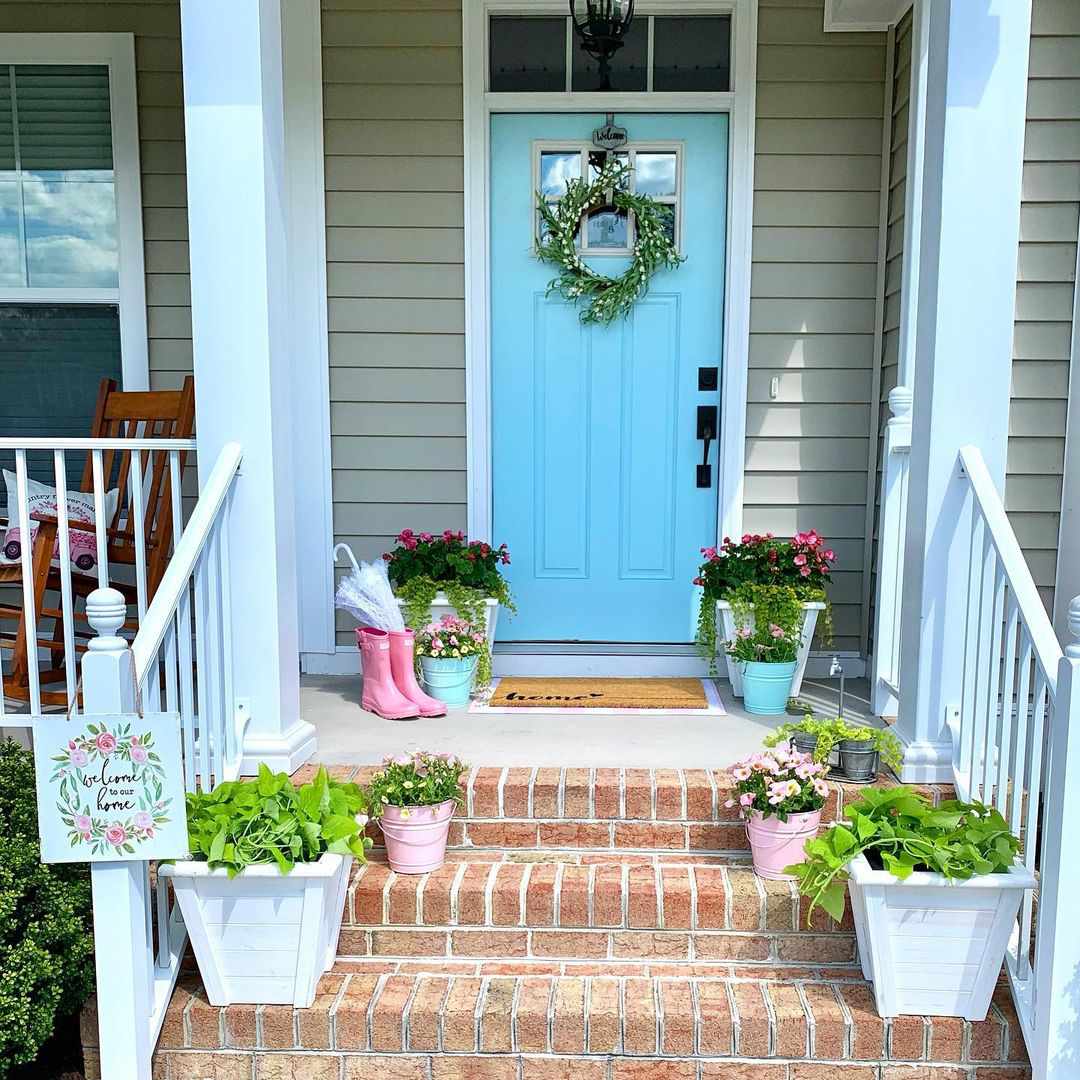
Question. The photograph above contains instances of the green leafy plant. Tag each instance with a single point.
(768, 622)
(732, 571)
(418, 778)
(777, 784)
(466, 572)
(902, 831)
(605, 298)
(244, 822)
(46, 940)
(836, 730)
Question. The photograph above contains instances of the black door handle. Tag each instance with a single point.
(706, 431)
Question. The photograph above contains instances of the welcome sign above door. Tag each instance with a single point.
(110, 788)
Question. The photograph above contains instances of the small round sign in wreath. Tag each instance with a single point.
(607, 297)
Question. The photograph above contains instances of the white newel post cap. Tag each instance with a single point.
(106, 611)
(1072, 648)
(900, 401)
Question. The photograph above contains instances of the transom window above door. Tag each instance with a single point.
(660, 53)
(655, 170)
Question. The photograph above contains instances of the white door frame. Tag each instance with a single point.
(479, 105)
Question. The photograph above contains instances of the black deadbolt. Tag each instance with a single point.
(708, 378)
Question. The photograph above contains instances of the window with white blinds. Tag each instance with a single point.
(58, 219)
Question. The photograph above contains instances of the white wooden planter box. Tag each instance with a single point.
(263, 937)
(932, 947)
(441, 606)
(728, 628)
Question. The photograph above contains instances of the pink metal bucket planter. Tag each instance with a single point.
(416, 844)
(776, 844)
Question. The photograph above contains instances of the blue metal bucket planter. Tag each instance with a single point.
(767, 687)
(448, 679)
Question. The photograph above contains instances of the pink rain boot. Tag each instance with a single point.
(380, 695)
(403, 665)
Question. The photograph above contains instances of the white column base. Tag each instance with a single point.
(926, 762)
(280, 753)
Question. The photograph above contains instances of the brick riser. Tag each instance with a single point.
(442, 1027)
(643, 810)
(604, 910)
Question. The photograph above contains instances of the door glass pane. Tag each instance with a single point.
(629, 66)
(528, 54)
(654, 173)
(607, 228)
(597, 159)
(52, 360)
(556, 167)
(692, 52)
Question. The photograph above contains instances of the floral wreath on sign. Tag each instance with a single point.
(607, 297)
(100, 744)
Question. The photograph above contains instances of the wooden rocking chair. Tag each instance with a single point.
(159, 414)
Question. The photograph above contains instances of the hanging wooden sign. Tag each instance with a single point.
(110, 788)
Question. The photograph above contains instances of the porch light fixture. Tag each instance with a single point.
(602, 27)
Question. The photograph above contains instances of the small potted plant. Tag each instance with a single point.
(414, 797)
(439, 574)
(730, 574)
(779, 795)
(856, 750)
(449, 651)
(270, 862)
(934, 892)
(766, 652)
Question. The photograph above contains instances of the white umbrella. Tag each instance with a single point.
(366, 594)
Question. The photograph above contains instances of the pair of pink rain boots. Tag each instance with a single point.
(390, 687)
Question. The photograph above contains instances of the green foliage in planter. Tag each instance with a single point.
(766, 605)
(46, 941)
(243, 822)
(831, 732)
(418, 778)
(906, 832)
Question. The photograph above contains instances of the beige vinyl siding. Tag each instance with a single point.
(156, 26)
(817, 180)
(392, 104)
(1045, 280)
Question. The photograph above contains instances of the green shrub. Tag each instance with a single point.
(46, 942)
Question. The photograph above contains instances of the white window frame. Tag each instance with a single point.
(480, 105)
(117, 52)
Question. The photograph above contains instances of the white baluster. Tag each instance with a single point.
(67, 601)
(123, 946)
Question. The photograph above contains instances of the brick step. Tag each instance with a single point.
(671, 810)
(618, 910)
(538, 1027)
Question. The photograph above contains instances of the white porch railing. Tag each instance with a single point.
(180, 660)
(1016, 741)
(41, 640)
(895, 466)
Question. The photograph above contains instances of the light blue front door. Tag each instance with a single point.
(595, 429)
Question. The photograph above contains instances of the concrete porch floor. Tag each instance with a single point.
(349, 735)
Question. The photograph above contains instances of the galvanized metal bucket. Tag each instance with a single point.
(858, 759)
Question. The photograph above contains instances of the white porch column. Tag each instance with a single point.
(234, 118)
(976, 96)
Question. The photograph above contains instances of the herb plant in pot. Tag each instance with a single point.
(766, 652)
(934, 892)
(414, 797)
(779, 795)
(270, 863)
(856, 750)
(729, 575)
(446, 574)
(449, 651)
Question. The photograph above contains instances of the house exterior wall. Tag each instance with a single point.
(1046, 272)
(156, 26)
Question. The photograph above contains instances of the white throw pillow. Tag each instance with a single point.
(41, 499)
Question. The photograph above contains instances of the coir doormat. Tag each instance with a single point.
(609, 695)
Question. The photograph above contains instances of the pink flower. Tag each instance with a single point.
(106, 742)
(746, 799)
(805, 571)
(71, 746)
(729, 804)
(741, 772)
(426, 538)
(799, 560)
(805, 770)
(82, 823)
(709, 552)
(142, 821)
(116, 835)
(821, 787)
(79, 758)
(829, 555)
(776, 631)
(139, 755)
(401, 759)
(86, 836)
